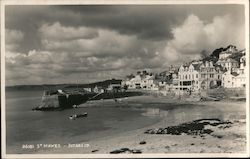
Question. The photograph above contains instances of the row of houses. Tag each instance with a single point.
(196, 75)
(112, 87)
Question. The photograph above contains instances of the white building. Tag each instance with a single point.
(141, 81)
(230, 50)
(114, 87)
(228, 63)
(235, 79)
(133, 83)
(188, 76)
(98, 89)
(199, 76)
(229, 79)
(148, 82)
(240, 80)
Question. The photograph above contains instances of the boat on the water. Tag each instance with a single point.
(75, 116)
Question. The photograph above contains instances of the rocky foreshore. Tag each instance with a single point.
(223, 132)
(196, 127)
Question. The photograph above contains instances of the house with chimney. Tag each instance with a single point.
(142, 80)
(236, 78)
(199, 75)
(226, 60)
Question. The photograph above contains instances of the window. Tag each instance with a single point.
(196, 75)
(189, 77)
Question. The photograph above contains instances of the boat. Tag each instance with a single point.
(75, 116)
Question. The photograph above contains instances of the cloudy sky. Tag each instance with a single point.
(69, 44)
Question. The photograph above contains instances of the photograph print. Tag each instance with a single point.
(124, 80)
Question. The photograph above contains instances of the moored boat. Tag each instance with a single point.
(75, 116)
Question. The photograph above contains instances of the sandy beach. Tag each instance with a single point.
(230, 139)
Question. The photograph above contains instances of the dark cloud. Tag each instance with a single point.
(58, 44)
(146, 22)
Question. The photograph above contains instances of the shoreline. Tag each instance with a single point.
(233, 140)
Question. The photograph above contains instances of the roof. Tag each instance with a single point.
(186, 65)
(226, 60)
(197, 66)
(231, 60)
(234, 74)
(149, 77)
(218, 65)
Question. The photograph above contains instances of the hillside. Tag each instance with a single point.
(214, 56)
(63, 86)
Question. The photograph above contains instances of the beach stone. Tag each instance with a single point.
(167, 147)
(207, 131)
(125, 149)
(159, 131)
(116, 151)
(196, 127)
(142, 142)
(219, 136)
(94, 150)
(136, 151)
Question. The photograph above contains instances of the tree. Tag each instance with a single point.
(204, 54)
(217, 52)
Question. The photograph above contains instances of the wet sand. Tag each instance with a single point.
(228, 140)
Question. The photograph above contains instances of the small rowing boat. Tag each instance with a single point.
(73, 117)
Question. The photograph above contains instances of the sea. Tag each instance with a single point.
(26, 127)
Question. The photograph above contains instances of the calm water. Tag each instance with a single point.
(24, 126)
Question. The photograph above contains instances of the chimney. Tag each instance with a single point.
(211, 63)
(207, 64)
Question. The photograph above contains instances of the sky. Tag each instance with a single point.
(83, 43)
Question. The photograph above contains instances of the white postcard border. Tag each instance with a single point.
(116, 2)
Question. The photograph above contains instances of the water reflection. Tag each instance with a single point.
(183, 114)
(152, 112)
